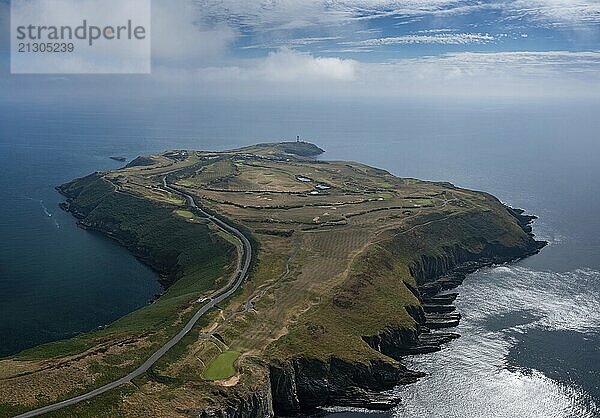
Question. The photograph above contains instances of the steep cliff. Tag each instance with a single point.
(148, 229)
(303, 384)
(256, 404)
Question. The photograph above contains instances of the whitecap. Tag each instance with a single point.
(42, 205)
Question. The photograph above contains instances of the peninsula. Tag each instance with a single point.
(291, 283)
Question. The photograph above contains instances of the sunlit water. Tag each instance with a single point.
(530, 332)
(485, 373)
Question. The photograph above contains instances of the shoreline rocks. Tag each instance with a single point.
(305, 385)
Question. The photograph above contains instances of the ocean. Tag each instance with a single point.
(530, 331)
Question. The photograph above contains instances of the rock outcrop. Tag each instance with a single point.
(303, 385)
(256, 404)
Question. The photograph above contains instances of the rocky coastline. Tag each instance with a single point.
(301, 386)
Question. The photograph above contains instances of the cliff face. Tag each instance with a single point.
(302, 385)
(447, 271)
(256, 404)
(435, 275)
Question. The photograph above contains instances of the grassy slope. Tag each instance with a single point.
(191, 255)
(374, 296)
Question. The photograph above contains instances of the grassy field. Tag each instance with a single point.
(222, 367)
(334, 243)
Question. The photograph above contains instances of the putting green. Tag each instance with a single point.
(221, 367)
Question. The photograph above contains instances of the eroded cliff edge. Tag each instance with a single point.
(301, 385)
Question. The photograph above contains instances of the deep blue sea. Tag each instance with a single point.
(531, 331)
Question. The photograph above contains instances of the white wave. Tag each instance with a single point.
(548, 232)
(42, 205)
(343, 410)
(45, 209)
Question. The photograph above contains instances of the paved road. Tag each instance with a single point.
(243, 265)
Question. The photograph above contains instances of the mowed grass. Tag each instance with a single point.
(372, 298)
(222, 367)
(190, 217)
(185, 214)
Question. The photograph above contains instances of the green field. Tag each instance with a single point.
(221, 368)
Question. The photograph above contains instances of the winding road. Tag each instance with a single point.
(243, 265)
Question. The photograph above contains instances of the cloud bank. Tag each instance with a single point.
(318, 48)
(291, 73)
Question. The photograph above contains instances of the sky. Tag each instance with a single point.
(376, 48)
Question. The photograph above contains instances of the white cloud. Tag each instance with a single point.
(195, 53)
(287, 65)
(289, 73)
(293, 14)
(436, 38)
(119, 54)
(557, 12)
(181, 39)
(348, 26)
(284, 68)
(522, 64)
(553, 73)
(295, 42)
